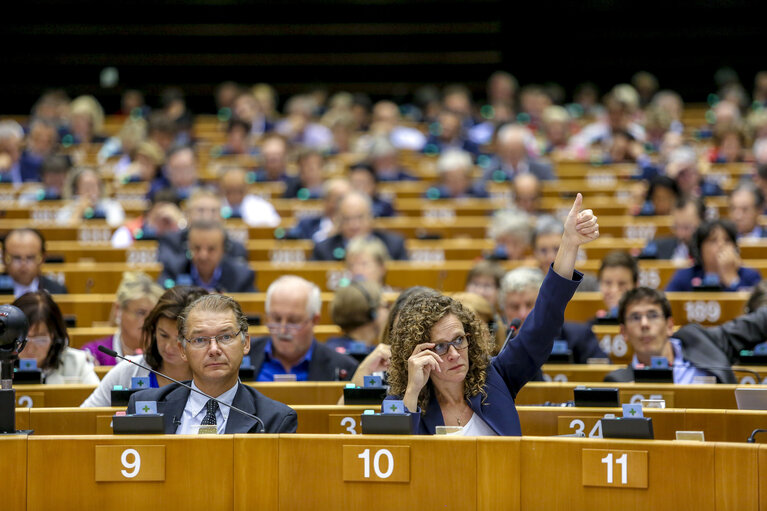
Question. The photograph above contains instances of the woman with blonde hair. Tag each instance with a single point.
(136, 296)
(86, 120)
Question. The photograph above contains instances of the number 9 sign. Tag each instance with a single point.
(129, 463)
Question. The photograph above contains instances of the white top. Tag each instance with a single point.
(75, 366)
(477, 427)
(113, 211)
(257, 211)
(196, 410)
(118, 375)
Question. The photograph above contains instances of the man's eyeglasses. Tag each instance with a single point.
(290, 328)
(221, 340)
(459, 343)
(651, 316)
(19, 260)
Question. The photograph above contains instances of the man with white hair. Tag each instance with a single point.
(519, 290)
(512, 159)
(292, 310)
(12, 168)
(454, 167)
(354, 218)
(510, 230)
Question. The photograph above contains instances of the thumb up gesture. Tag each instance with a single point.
(581, 225)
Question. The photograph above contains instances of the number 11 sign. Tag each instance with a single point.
(614, 469)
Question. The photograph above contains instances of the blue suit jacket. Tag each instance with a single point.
(304, 229)
(682, 280)
(515, 365)
(171, 401)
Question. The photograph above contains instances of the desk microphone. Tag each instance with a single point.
(513, 329)
(752, 438)
(113, 353)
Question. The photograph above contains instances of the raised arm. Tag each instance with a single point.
(580, 227)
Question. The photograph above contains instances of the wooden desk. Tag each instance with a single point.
(597, 372)
(63, 470)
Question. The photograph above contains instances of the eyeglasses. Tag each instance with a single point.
(221, 339)
(460, 343)
(292, 328)
(19, 260)
(41, 340)
(651, 316)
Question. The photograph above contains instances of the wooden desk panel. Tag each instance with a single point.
(13, 466)
(69, 421)
(256, 474)
(551, 476)
(198, 474)
(65, 395)
(326, 489)
(498, 474)
(303, 393)
(737, 473)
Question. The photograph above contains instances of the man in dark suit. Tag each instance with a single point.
(292, 309)
(355, 218)
(511, 158)
(205, 205)
(519, 291)
(746, 204)
(645, 321)
(23, 256)
(317, 228)
(208, 266)
(213, 334)
(687, 215)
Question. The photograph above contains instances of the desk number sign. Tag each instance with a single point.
(614, 469)
(377, 463)
(123, 463)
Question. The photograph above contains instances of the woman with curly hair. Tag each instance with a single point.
(441, 365)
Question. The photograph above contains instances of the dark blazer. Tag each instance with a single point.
(171, 250)
(326, 250)
(660, 248)
(685, 279)
(53, 287)
(171, 401)
(325, 364)
(236, 277)
(515, 365)
(714, 348)
(581, 340)
(304, 229)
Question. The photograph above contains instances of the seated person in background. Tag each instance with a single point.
(42, 141)
(146, 165)
(86, 120)
(746, 204)
(53, 177)
(298, 127)
(274, 155)
(450, 135)
(309, 183)
(546, 236)
(512, 159)
(209, 267)
(23, 255)
(527, 191)
(292, 310)
(359, 310)
(163, 218)
(618, 273)
(683, 168)
(366, 260)
(355, 218)
(159, 347)
(717, 262)
(645, 320)
(519, 292)
(454, 167)
(687, 215)
(510, 230)
(136, 296)
(238, 139)
(363, 179)
(213, 339)
(729, 145)
(760, 174)
(441, 366)
(484, 279)
(318, 228)
(11, 169)
(387, 123)
(662, 195)
(238, 203)
(48, 342)
(181, 174)
(382, 157)
(246, 107)
(202, 205)
(89, 201)
(162, 131)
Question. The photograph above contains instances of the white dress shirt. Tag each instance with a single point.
(196, 410)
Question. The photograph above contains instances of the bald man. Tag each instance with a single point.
(238, 203)
(512, 159)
